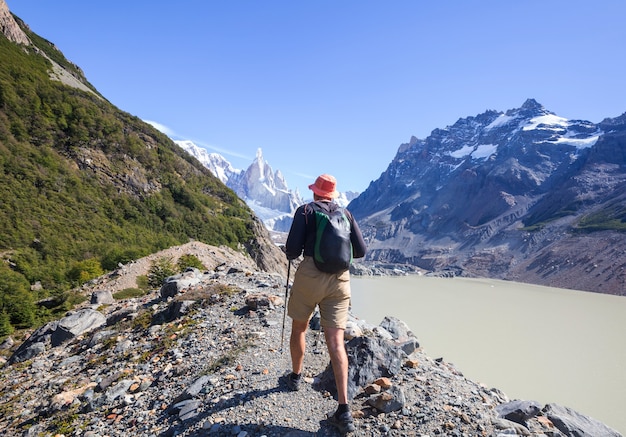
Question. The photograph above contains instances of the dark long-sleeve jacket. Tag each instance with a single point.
(301, 236)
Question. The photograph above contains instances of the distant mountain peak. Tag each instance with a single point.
(264, 190)
(531, 108)
(532, 104)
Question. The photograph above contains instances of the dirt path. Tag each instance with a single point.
(210, 256)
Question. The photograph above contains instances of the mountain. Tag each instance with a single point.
(264, 190)
(215, 162)
(523, 195)
(85, 186)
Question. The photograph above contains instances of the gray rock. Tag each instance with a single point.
(121, 314)
(194, 389)
(175, 310)
(118, 390)
(102, 297)
(75, 324)
(389, 400)
(7, 343)
(100, 336)
(574, 424)
(189, 410)
(397, 328)
(368, 359)
(175, 284)
(519, 411)
(35, 344)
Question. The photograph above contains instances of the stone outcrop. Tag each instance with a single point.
(9, 27)
(58, 332)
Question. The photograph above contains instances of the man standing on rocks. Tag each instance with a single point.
(329, 291)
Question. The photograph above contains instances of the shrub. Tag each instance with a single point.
(189, 260)
(142, 282)
(129, 293)
(160, 269)
(83, 271)
(15, 298)
(5, 325)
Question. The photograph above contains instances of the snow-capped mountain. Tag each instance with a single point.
(500, 195)
(215, 162)
(264, 190)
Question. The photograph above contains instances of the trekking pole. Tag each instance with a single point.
(282, 333)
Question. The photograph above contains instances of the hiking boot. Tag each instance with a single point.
(293, 381)
(343, 422)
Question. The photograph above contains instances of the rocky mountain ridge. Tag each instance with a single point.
(9, 27)
(203, 355)
(263, 189)
(524, 195)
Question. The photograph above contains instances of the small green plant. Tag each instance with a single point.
(64, 423)
(189, 260)
(211, 293)
(142, 282)
(227, 358)
(129, 293)
(143, 320)
(161, 269)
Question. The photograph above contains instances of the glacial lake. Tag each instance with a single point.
(544, 344)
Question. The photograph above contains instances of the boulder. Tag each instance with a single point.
(518, 411)
(57, 332)
(574, 424)
(178, 283)
(368, 359)
(102, 297)
(35, 344)
(75, 324)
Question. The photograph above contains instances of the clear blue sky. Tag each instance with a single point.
(336, 86)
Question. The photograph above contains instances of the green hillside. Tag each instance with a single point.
(84, 186)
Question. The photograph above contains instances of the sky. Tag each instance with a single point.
(331, 86)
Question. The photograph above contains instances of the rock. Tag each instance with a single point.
(194, 389)
(35, 344)
(100, 336)
(179, 308)
(257, 301)
(102, 297)
(574, 424)
(178, 283)
(75, 324)
(397, 328)
(121, 314)
(369, 359)
(8, 343)
(519, 411)
(352, 330)
(389, 400)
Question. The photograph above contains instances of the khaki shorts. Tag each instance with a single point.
(329, 291)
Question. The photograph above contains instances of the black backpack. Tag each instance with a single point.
(333, 249)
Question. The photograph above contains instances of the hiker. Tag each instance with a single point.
(329, 291)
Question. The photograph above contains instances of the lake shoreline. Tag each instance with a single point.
(532, 342)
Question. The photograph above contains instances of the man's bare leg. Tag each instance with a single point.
(339, 361)
(297, 345)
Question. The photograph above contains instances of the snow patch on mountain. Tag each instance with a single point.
(263, 190)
